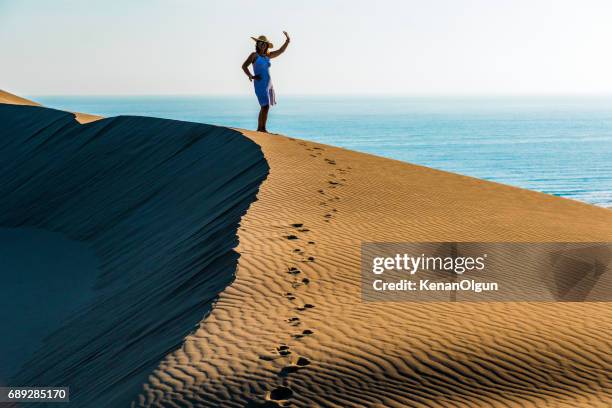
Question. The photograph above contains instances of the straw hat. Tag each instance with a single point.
(263, 38)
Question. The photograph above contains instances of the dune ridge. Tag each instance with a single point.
(9, 98)
(159, 201)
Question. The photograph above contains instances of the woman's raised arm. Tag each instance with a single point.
(274, 54)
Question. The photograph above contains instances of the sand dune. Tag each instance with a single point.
(261, 344)
(159, 204)
(291, 330)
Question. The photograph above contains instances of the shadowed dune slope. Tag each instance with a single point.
(292, 330)
(159, 201)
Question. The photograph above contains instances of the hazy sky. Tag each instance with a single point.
(338, 47)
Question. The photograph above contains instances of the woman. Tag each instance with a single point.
(261, 65)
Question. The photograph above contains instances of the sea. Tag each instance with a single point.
(559, 145)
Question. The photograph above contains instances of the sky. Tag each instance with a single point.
(434, 47)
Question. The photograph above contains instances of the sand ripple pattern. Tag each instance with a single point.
(292, 331)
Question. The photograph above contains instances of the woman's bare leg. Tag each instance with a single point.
(263, 118)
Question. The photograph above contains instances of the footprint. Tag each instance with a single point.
(283, 350)
(297, 250)
(297, 225)
(293, 270)
(328, 215)
(293, 321)
(303, 230)
(291, 237)
(304, 333)
(289, 296)
(305, 281)
(298, 365)
(302, 362)
(332, 182)
(280, 394)
(306, 306)
(311, 242)
(280, 351)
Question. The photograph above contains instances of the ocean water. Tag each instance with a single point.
(556, 145)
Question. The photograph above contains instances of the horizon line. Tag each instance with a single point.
(368, 94)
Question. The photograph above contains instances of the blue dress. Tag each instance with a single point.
(263, 85)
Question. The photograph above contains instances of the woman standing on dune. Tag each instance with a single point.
(261, 74)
